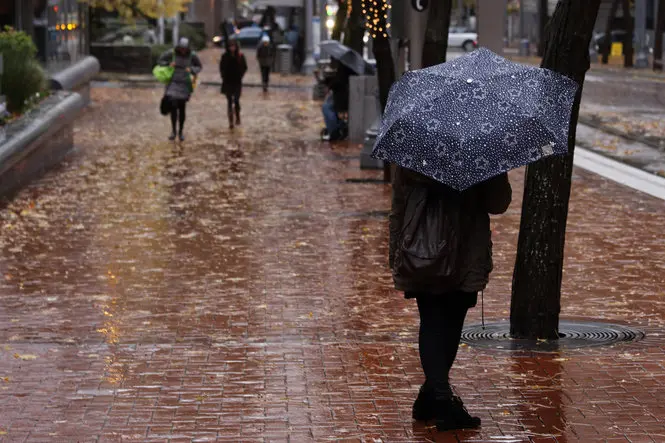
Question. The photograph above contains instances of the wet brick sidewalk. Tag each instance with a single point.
(235, 289)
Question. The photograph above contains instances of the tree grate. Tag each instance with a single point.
(573, 335)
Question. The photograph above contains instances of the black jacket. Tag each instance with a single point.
(339, 85)
(232, 69)
(474, 205)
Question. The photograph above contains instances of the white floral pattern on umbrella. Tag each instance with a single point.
(476, 117)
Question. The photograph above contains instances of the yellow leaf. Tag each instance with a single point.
(25, 357)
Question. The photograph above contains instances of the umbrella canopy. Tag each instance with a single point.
(347, 56)
(476, 117)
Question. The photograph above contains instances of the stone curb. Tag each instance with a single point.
(153, 82)
(594, 123)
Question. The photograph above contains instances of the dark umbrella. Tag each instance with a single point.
(347, 56)
(476, 117)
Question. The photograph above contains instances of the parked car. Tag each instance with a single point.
(462, 38)
(247, 37)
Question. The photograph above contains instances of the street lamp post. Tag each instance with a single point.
(642, 59)
(309, 65)
(524, 41)
(491, 30)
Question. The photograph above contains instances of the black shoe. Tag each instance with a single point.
(172, 136)
(238, 120)
(182, 137)
(325, 136)
(424, 408)
(451, 414)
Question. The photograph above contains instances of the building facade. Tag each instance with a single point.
(58, 27)
(211, 13)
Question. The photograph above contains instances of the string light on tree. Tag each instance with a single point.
(376, 17)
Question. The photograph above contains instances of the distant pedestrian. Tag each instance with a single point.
(445, 277)
(265, 55)
(186, 66)
(232, 68)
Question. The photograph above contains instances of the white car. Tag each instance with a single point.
(463, 39)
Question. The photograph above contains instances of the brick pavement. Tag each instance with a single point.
(235, 289)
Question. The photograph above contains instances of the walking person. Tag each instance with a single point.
(265, 55)
(443, 302)
(187, 66)
(232, 68)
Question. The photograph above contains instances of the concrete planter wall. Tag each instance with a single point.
(38, 141)
(77, 78)
(125, 59)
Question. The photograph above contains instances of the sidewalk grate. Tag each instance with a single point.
(574, 335)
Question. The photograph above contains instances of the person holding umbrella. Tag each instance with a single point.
(232, 69)
(346, 62)
(453, 132)
(336, 102)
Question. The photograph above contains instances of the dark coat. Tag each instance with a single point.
(475, 204)
(232, 70)
(339, 85)
(265, 54)
(179, 87)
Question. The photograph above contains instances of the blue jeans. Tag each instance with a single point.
(330, 115)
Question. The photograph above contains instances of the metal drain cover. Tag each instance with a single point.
(574, 334)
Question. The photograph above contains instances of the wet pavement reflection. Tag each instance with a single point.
(235, 288)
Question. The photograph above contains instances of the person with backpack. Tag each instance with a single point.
(265, 54)
(186, 66)
(232, 68)
(441, 256)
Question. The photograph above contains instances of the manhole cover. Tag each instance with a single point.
(574, 334)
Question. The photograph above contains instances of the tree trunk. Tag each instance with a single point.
(542, 26)
(355, 27)
(658, 44)
(436, 33)
(607, 43)
(628, 41)
(536, 292)
(340, 20)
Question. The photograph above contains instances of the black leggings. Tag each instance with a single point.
(441, 322)
(233, 100)
(178, 113)
(265, 75)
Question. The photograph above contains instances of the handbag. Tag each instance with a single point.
(165, 105)
(429, 245)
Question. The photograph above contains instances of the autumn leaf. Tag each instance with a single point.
(25, 357)
(131, 9)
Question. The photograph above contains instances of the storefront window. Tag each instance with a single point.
(63, 26)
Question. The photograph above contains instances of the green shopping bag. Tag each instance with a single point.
(163, 73)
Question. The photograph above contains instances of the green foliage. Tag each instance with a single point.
(23, 77)
(157, 51)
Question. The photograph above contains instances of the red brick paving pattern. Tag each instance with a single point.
(237, 290)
